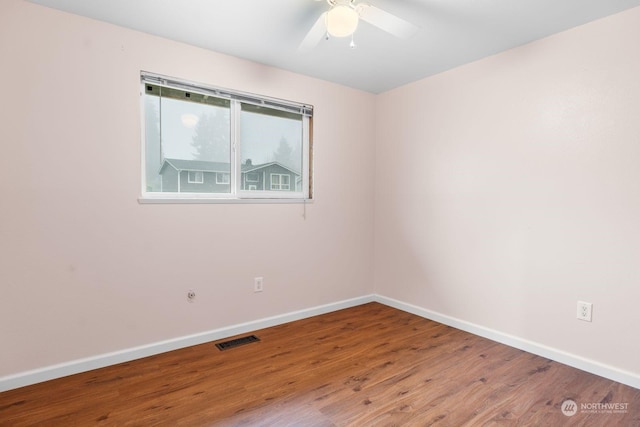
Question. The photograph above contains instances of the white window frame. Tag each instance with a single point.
(195, 180)
(237, 194)
(223, 181)
(280, 184)
(252, 180)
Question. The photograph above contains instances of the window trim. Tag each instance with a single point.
(280, 184)
(237, 194)
(218, 181)
(195, 180)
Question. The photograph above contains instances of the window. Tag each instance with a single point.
(195, 177)
(279, 181)
(222, 178)
(201, 131)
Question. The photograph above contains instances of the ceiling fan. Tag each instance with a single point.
(341, 20)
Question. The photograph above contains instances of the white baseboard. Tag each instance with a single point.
(82, 365)
(573, 360)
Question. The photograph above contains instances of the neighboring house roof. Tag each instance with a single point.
(195, 165)
(251, 168)
(206, 166)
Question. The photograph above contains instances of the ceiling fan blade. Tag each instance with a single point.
(315, 34)
(386, 21)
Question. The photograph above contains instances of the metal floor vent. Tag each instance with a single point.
(237, 342)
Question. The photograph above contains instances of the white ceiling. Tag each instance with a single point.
(452, 32)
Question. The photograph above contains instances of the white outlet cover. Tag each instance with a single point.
(584, 311)
(258, 284)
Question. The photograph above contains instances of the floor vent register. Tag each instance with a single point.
(237, 342)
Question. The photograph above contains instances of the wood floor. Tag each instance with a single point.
(370, 365)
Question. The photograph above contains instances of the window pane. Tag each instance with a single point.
(152, 143)
(222, 178)
(271, 142)
(187, 141)
(196, 177)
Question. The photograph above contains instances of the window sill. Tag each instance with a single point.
(209, 200)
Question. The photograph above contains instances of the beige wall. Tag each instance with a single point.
(84, 268)
(505, 190)
(509, 188)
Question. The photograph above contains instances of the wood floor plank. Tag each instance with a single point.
(370, 365)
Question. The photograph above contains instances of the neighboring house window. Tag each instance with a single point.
(222, 178)
(195, 177)
(257, 147)
(279, 182)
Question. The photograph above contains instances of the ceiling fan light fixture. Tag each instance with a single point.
(189, 120)
(342, 21)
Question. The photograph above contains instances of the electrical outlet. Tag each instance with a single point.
(257, 284)
(584, 311)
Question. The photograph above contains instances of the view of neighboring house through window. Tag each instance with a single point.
(196, 177)
(280, 181)
(202, 142)
(272, 147)
(222, 178)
